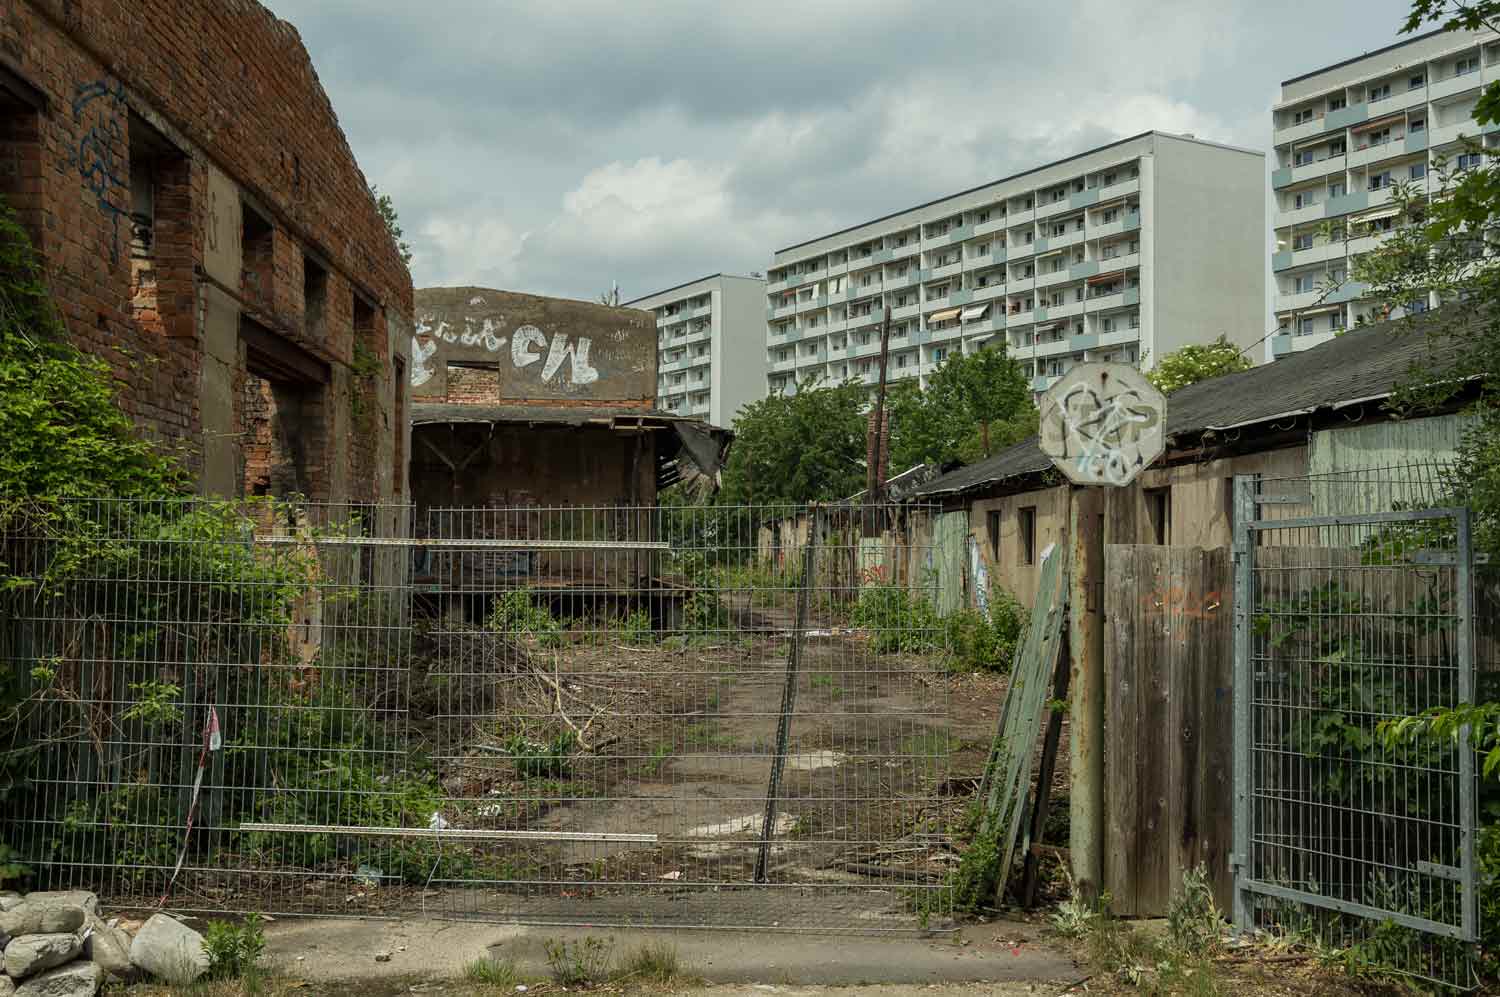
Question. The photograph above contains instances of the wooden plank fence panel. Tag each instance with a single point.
(1169, 793)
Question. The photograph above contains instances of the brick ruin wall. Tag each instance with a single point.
(208, 115)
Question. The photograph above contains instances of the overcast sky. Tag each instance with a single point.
(555, 147)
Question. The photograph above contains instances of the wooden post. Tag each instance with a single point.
(1086, 711)
(1031, 866)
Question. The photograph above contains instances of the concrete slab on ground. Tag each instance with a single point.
(338, 949)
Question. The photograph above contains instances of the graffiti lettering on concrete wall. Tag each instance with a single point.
(1110, 428)
(528, 345)
(99, 114)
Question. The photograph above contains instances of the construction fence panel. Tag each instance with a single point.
(614, 715)
(1355, 608)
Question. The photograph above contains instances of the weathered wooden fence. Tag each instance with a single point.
(1169, 761)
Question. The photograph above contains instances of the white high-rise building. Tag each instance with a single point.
(710, 357)
(1126, 253)
(1344, 136)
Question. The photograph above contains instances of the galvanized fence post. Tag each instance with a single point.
(1244, 682)
(788, 693)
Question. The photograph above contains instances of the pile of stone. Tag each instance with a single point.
(57, 945)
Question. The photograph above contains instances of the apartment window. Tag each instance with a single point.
(1379, 93)
(1466, 65)
(1468, 161)
(1302, 157)
(1338, 102)
(1108, 325)
(1416, 171)
(1380, 136)
(1302, 116)
(1026, 528)
(1303, 283)
(1112, 215)
(1381, 180)
(1336, 147)
(1303, 241)
(1416, 82)
(981, 218)
(1304, 199)
(1135, 245)
(1336, 189)
(1159, 511)
(1109, 179)
(939, 354)
(1135, 323)
(1417, 125)
(992, 526)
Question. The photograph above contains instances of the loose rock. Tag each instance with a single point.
(79, 979)
(382, 957)
(76, 898)
(8, 899)
(7, 988)
(169, 950)
(31, 954)
(109, 948)
(41, 917)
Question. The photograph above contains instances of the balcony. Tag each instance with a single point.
(1083, 198)
(1398, 102)
(1297, 216)
(1049, 279)
(907, 251)
(1120, 337)
(990, 292)
(1346, 117)
(780, 311)
(1297, 299)
(1318, 168)
(772, 286)
(905, 312)
(937, 273)
(1021, 283)
(1453, 85)
(1067, 310)
(782, 366)
(1070, 238)
(1343, 204)
(1376, 153)
(1053, 348)
(959, 234)
(1025, 217)
(882, 256)
(996, 223)
(813, 303)
(1444, 134)
(1284, 259)
(1050, 208)
(1307, 129)
(1104, 302)
(1026, 317)
(837, 325)
(1132, 220)
(1122, 188)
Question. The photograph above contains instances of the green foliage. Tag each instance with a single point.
(802, 447)
(655, 962)
(1197, 362)
(635, 628)
(517, 613)
(156, 704)
(974, 405)
(980, 643)
(537, 760)
(1194, 922)
(580, 963)
(387, 209)
(897, 620)
(493, 972)
(131, 823)
(234, 949)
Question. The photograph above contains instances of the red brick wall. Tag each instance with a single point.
(233, 89)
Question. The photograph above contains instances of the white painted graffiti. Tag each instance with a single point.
(528, 344)
(1110, 430)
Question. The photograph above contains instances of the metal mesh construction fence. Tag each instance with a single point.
(1355, 598)
(707, 716)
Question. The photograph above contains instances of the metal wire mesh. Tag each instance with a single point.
(1357, 608)
(715, 717)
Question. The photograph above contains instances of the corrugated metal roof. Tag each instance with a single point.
(1363, 365)
(563, 415)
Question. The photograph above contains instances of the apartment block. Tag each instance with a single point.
(710, 345)
(1124, 253)
(1344, 137)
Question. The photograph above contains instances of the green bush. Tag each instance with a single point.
(234, 949)
(580, 963)
(535, 760)
(517, 613)
(978, 643)
(897, 620)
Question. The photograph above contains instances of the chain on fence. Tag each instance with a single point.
(1357, 596)
(720, 716)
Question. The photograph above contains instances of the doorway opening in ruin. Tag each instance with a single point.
(284, 417)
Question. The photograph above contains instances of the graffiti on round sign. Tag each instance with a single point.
(1103, 424)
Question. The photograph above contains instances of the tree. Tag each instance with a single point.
(802, 447)
(387, 210)
(1197, 362)
(974, 405)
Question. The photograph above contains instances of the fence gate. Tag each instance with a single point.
(695, 716)
(1353, 606)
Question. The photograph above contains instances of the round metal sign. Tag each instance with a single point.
(1103, 424)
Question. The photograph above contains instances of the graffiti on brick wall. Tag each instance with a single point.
(98, 156)
(528, 345)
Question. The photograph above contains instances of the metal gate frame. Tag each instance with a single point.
(1252, 519)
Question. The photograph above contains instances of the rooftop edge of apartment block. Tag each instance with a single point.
(710, 350)
(1344, 136)
(1122, 252)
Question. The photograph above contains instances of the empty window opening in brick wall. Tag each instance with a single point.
(160, 230)
(258, 266)
(21, 108)
(314, 297)
(283, 417)
(473, 382)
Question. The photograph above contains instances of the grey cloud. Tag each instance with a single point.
(777, 122)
